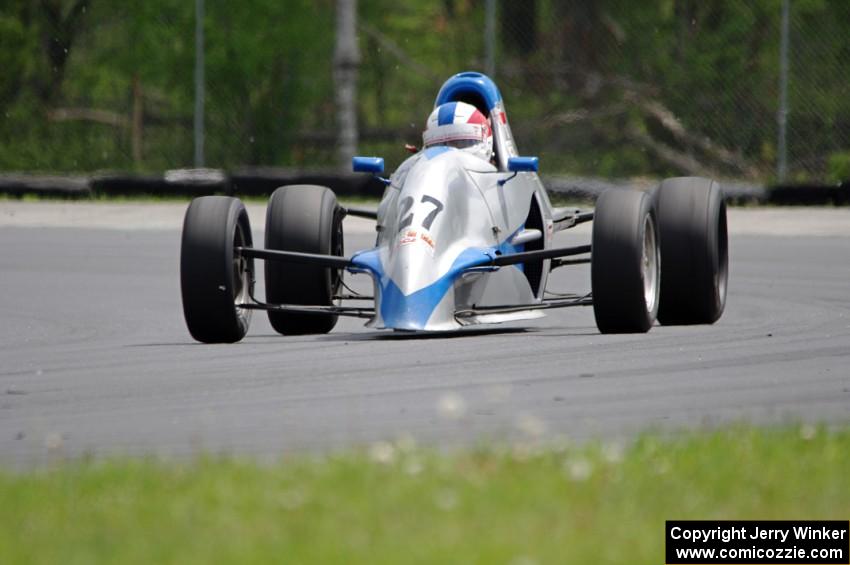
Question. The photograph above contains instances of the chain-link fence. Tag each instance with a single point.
(605, 88)
(623, 88)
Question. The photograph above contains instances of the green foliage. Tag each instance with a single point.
(596, 503)
(269, 84)
(574, 78)
(267, 79)
(12, 60)
(839, 167)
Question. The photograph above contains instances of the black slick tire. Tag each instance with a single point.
(214, 279)
(625, 268)
(304, 218)
(694, 251)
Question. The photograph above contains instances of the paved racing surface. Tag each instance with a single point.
(95, 357)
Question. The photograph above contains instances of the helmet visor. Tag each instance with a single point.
(461, 143)
(460, 136)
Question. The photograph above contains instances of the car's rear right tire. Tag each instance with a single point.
(625, 262)
(307, 219)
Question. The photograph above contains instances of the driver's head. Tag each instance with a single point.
(460, 125)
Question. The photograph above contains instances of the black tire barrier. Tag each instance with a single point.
(22, 184)
(262, 181)
(810, 195)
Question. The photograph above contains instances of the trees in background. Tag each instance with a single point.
(122, 97)
(601, 87)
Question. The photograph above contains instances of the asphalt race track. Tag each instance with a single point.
(95, 357)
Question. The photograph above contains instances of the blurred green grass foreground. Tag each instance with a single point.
(395, 503)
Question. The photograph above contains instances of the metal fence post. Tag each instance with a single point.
(346, 61)
(490, 39)
(199, 83)
(782, 113)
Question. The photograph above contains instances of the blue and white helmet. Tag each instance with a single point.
(460, 125)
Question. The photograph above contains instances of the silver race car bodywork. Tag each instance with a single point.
(443, 217)
(445, 212)
(460, 241)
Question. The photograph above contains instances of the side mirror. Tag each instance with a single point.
(374, 165)
(523, 164)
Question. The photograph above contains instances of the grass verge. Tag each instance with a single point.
(595, 503)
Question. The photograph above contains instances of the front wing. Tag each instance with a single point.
(489, 261)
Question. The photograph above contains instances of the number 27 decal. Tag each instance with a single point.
(407, 203)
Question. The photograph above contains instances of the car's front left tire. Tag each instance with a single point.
(625, 262)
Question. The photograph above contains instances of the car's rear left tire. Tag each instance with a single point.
(625, 262)
(694, 250)
(307, 219)
(214, 279)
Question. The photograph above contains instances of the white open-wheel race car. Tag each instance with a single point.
(460, 241)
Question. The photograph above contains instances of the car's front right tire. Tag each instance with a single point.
(214, 279)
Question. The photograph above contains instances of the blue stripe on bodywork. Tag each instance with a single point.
(508, 248)
(447, 114)
(412, 311)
